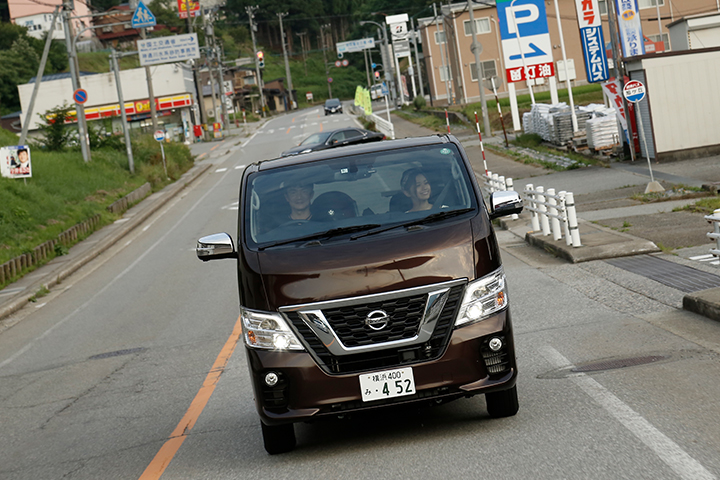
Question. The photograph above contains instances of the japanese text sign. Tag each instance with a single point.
(526, 43)
(168, 49)
(591, 34)
(631, 36)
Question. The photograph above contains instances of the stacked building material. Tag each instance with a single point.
(602, 128)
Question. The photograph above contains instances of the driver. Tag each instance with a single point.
(299, 195)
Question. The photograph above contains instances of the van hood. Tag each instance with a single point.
(344, 268)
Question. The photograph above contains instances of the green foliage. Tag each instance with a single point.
(55, 134)
(419, 102)
(101, 136)
(529, 140)
(19, 64)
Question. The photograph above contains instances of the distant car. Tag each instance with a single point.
(334, 138)
(333, 105)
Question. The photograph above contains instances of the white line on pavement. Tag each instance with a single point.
(669, 452)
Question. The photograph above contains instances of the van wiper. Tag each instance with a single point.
(420, 221)
(333, 232)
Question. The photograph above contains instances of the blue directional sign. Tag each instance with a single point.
(143, 17)
(526, 43)
(384, 89)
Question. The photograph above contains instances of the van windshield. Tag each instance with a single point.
(339, 197)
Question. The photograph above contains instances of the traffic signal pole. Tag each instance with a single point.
(250, 11)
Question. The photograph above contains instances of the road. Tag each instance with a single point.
(130, 367)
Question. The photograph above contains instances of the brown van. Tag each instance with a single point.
(370, 276)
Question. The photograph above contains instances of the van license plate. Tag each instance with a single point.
(387, 384)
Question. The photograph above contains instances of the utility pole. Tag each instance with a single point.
(327, 70)
(417, 57)
(302, 44)
(148, 76)
(250, 11)
(223, 94)
(479, 70)
(196, 75)
(283, 37)
(75, 75)
(445, 67)
(123, 114)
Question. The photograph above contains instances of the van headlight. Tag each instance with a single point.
(268, 331)
(483, 297)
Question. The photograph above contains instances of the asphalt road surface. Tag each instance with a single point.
(129, 369)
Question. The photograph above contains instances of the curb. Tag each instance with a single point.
(57, 276)
(704, 302)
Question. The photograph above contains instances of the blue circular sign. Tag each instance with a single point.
(159, 135)
(80, 96)
(634, 91)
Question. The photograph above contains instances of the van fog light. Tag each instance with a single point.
(271, 379)
(495, 344)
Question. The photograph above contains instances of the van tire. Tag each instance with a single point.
(278, 438)
(502, 404)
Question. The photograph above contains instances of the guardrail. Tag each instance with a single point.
(715, 234)
(383, 126)
(549, 210)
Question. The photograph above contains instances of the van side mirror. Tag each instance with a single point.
(215, 247)
(504, 203)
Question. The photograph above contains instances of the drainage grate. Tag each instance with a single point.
(680, 277)
(618, 363)
(117, 353)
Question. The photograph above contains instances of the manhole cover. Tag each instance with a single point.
(117, 353)
(680, 277)
(618, 363)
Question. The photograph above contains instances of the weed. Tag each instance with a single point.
(39, 294)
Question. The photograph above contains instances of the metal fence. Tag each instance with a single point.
(492, 182)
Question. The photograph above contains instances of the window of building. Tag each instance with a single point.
(650, 3)
(602, 5)
(482, 25)
(489, 70)
(439, 38)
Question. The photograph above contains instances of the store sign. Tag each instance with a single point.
(185, 6)
(591, 34)
(631, 36)
(525, 39)
(399, 34)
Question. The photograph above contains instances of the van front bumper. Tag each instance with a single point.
(304, 391)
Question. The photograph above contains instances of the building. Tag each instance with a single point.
(695, 31)
(173, 87)
(452, 74)
(37, 16)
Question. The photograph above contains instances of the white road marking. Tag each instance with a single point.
(41, 305)
(703, 258)
(669, 452)
(220, 170)
(238, 167)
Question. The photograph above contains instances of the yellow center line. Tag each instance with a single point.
(167, 452)
(202, 155)
(321, 127)
(213, 148)
(288, 130)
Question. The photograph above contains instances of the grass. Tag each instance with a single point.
(706, 206)
(65, 191)
(428, 121)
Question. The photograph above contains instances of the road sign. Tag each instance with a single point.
(525, 39)
(355, 45)
(80, 96)
(168, 49)
(143, 17)
(340, 54)
(338, 63)
(345, 63)
(384, 88)
(159, 135)
(634, 91)
(329, 79)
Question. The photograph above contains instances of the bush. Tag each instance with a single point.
(419, 102)
(55, 134)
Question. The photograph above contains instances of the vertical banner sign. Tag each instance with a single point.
(591, 34)
(526, 43)
(185, 6)
(614, 92)
(631, 36)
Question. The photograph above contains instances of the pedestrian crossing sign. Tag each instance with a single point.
(143, 17)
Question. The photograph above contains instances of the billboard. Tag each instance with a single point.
(168, 49)
(525, 39)
(631, 37)
(591, 34)
(15, 162)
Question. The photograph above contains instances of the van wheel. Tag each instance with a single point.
(502, 404)
(278, 438)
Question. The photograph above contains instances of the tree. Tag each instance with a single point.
(19, 64)
(55, 134)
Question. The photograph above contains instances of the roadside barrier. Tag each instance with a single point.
(715, 234)
(384, 126)
(549, 210)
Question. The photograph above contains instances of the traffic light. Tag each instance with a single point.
(261, 59)
(377, 74)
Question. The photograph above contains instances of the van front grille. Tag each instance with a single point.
(406, 312)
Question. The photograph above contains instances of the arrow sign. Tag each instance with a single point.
(143, 17)
(536, 52)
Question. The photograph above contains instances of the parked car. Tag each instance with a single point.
(333, 105)
(370, 277)
(334, 138)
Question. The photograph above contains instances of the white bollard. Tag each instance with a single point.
(509, 186)
(494, 183)
(534, 219)
(572, 219)
(552, 210)
(501, 183)
(563, 212)
(540, 197)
